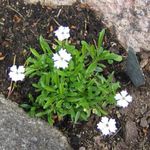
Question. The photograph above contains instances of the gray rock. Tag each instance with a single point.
(52, 2)
(129, 18)
(131, 132)
(144, 123)
(82, 148)
(133, 69)
(20, 132)
(121, 146)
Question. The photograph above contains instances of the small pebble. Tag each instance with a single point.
(82, 148)
(131, 132)
(143, 122)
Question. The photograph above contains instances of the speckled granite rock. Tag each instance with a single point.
(52, 2)
(19, 132)
(129, 18)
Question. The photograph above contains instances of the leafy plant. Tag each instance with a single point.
(76, 91)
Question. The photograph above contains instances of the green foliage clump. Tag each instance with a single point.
(77, 91)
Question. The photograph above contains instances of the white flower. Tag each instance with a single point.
(61, 59)
(62, 33)
(17, 74)
(107, 126)
(123, 99)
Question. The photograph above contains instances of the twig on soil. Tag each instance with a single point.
(11, 8)
(116, 133)
(85, 25)
(95, 43)
(56, 22)
(58, 13)
(12, 85)
(10, 89)
(1, 23)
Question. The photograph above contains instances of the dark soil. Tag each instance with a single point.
(20, 27)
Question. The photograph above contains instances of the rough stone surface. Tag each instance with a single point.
(129, 18)
(52, 2)
(131, 132)
(20, 132)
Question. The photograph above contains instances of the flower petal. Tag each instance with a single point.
(21, 77)
(100, 126)
(122, 103)
(13, 68)
(57, 64)
(112, 125)
(124, 93)
(64, 64)
(63, 54)
(112, 122)
(61, 64)
(21, 69)
(13, 76)
(104, 120)
(105, 131)
(118, 96)
(62, 33)
(56, 57)
(128, 98)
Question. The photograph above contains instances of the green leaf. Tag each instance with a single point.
(99, 69)
(86, 46)
(61, 88)
(44, 86)
(31, 98)
(49, 102)
(35, 53)
(61, 73)
(77, 117)
(91, 69)
(92, 51)
(99, 51)
(114, 57)
(44, 45)
(74, 99)
(117, 58)
(32, 111)
(48, 88)
(50, 119)
(107, 55)
(41, 114)
(29, 71)
(72, 113)
(25, 106)
(59, 104)
(100, 38)
(36, 85)
(110, 61)
(84, 116)
(78, 69)
(83, 49)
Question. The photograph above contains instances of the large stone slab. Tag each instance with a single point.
(20, 132)
(129, 18)
(52, 2)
